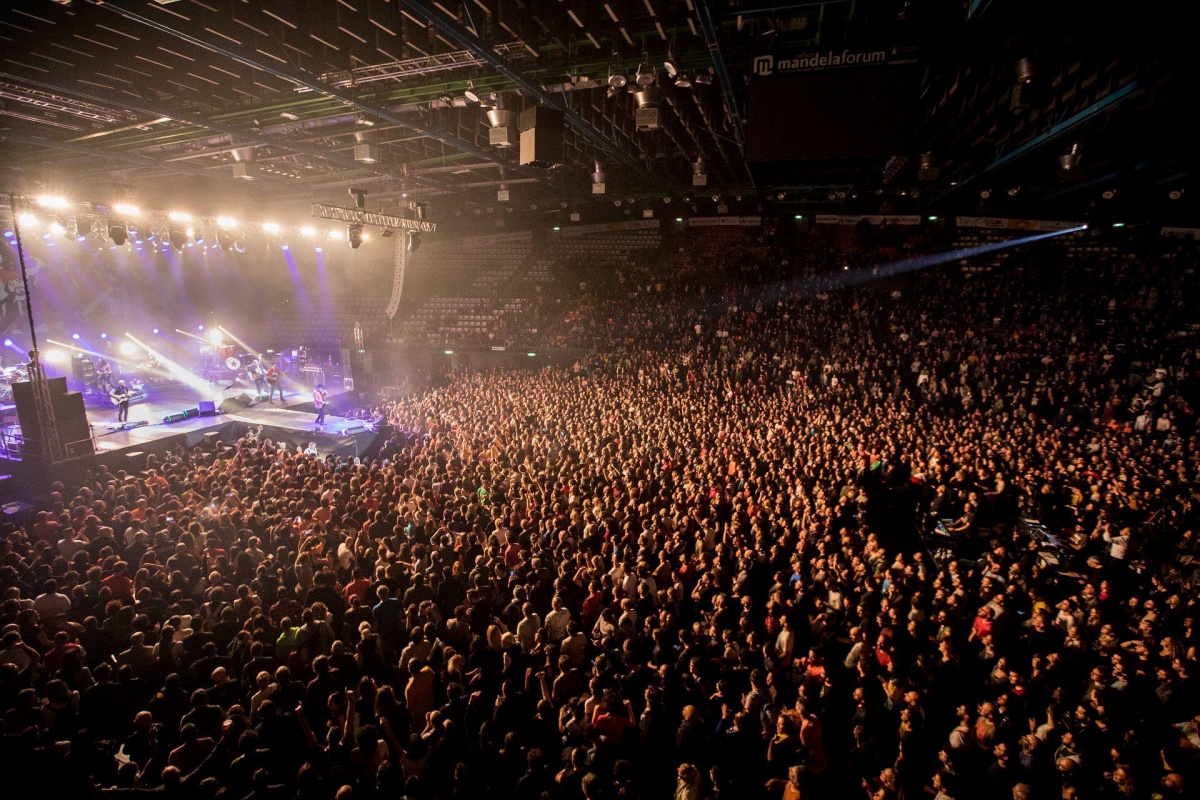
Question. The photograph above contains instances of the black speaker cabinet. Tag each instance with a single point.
(73, 429)
(541, 136)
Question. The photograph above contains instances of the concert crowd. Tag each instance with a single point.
(770, 540)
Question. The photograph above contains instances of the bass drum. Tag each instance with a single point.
(233, 363)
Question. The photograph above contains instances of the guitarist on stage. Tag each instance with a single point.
(273, 382)
(259, 376)
(120, 398)
(320, 400)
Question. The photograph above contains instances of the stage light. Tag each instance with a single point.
(57, 228)
(52, 201)
(179, 216)
(334, 233)
(1118, 224)
(285, 246)
(239, 246)
(354, 235)
(199, 327)
(271, 227)
(679, 219)
(75, 336)
(8, 342)
(8, 234)
(104, 336)
(319, 250)
(118, 234)
(215, 337)
(932, 219)
(799, 216)
(227, 222)
(366, 237)
(27, 219)
(177, 238)
(1109, 194)
(126, 209)
(189, 233)
(308, 231)
(55, 357)
(154, 331)
(128, 349)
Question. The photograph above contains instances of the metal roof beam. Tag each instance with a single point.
(126, 158)
(232, 52)
(1101, 106)
(238, 137)
(709, 28)
(463, 38)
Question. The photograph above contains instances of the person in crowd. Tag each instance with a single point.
(700, 561)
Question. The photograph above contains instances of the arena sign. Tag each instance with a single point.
(770, 64)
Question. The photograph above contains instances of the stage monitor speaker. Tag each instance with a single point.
(231, 405)
(191, 412)
(70, 416)
(178, 416)
(207, 408)
(541, 137)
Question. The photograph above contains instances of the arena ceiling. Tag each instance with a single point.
(287, 100)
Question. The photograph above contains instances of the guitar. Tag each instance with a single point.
(116, 398)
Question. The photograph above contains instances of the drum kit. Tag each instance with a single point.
(223, 362)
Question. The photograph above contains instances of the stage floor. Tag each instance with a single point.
(293, 414)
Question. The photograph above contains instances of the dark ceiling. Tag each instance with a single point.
(263, 102)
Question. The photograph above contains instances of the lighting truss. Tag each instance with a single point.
(411, 67)
(36, 98)
(354, 215)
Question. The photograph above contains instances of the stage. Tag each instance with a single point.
(291, 420)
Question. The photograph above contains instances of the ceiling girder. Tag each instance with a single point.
(463, 38)
(231, 51)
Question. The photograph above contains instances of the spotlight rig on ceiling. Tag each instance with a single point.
(358, 217)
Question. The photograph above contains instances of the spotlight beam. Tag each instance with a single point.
(252, 351)
(176, 370)
(862, 275)
(193, 336)
(106, 356)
